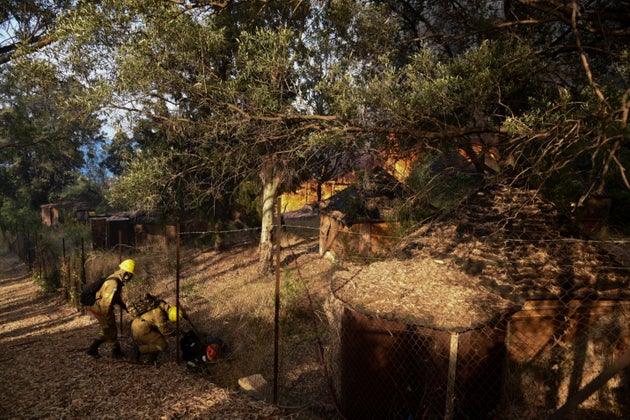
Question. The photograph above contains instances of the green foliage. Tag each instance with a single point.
(83, 189)
(581, 151)
(264, 61)
(220, 93)
(26, 26)
(48, 284)
(435, 191)
(43, 133)
(293, 298)
(77, 234)
(429, 84)
(212, 96)
(142, 185)
(49, 252)
(249, 200)
(16, 217)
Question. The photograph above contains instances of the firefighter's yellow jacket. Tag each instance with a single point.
(150, 328)
(109, 294)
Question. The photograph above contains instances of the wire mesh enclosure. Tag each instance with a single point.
(387, 369)
(499, 309)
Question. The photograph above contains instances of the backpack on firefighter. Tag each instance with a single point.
(88, 295)
(143, 305)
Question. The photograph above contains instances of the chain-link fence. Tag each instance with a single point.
(434, 338)
(474, 318)
(372, 336)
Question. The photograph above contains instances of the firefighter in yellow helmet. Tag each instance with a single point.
(107, 297)
(150, 329)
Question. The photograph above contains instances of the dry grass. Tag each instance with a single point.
(226, 297)
(43, 342)
(44, 338)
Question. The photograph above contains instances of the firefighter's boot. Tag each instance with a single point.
(117, 353)
(135, 354)
(152, 359)
(93, 349)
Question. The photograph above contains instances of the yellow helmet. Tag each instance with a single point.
(128, 266)
(173, 312)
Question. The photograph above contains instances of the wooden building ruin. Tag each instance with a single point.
(56, 214)
(494, 309)
(130, 230)
(361, 219)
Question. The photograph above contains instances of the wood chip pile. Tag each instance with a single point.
(499, 248)
(422, 292)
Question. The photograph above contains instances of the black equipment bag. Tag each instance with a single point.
(88, 295)
(192, 348)
(199, 354)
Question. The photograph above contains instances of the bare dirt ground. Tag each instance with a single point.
(46, 373)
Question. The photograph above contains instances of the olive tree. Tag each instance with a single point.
(543, 85)
(222, 85)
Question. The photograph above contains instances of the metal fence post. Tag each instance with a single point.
(452, 374)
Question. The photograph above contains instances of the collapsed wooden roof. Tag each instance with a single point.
(500, 247)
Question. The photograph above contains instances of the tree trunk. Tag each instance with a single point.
(599, 381)
(270, 181)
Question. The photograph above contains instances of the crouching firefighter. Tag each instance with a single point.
(151, 327)
(107, 296)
